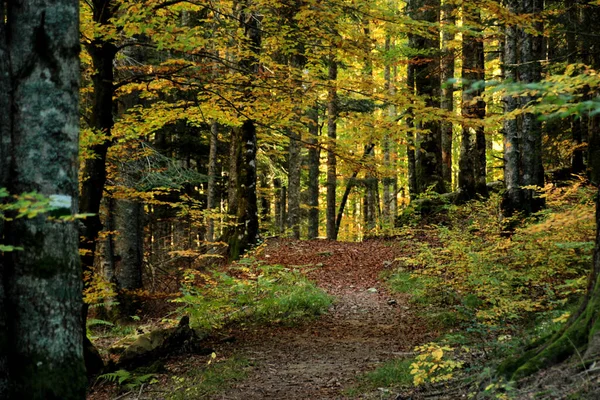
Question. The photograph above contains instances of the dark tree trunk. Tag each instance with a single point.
(93, 175)
(389, 147)
(294, 169)
(211, 200)
(243, 201)
(513, 197)
(472, 171)
(128, 254)
(43, 331)
(413, 189)
(313, 175)
(332, 114)
(5, 150)
(279, 217)
(522, 144)
(531, 53)
(349, 186)
(446, 101)
(428, 158)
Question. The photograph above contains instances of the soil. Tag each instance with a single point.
(320, 359)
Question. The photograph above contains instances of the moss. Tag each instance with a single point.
(560, 347)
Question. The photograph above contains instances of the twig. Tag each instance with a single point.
(122, 396)
(140, 392)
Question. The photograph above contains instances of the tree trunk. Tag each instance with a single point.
(413, 189)
(531, 52)
(512, 200)
(387, 159)
(523, 155)
(447, 101)
(472, 171)
(128, 254)
(428, 158)
(243, 200)
(279, 218)
(93, 175)
(242, 178)
(313, 174)
(293, 221)
(349, 186)
(43, 332)
(332, 114)
(5, 150)
(211, 200)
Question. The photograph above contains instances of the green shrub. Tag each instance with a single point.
(251, 292)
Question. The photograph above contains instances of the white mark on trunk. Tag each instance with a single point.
(59, 201)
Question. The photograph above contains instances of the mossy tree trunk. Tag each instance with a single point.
(42, 336)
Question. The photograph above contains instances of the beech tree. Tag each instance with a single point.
(41, 333)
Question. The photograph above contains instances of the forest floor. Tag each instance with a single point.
(322, 358)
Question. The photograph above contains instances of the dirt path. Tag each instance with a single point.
(364, 327)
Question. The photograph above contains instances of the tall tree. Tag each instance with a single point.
(314, 154)
(447, 96)
(42, 285)
(243, 202)
(428, 158)
(332, 115)
(211, 200)
(5, 141)
(472, 164)
(523, 168)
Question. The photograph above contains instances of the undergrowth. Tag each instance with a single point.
(490, 293)
(250, 292)
(200, 383)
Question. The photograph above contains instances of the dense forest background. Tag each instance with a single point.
(208, 127)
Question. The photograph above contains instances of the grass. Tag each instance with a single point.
(199, 383)
(392, 373)
(253, 294)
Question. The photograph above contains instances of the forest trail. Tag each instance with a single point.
(321, 359)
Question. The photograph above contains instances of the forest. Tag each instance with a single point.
(330, 199)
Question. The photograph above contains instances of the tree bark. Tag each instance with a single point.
(5, 149)
(293, 221)
(389, 148)
(413, 189)
(212, 175)
(447, 101)
(531, 71)
(332, 114)
(243, 201)
(428, 158)
(43, 283)
(128, 254)
(313, 174)
(351, 182)
(513, 197)
(523, 144)
(472, 164)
